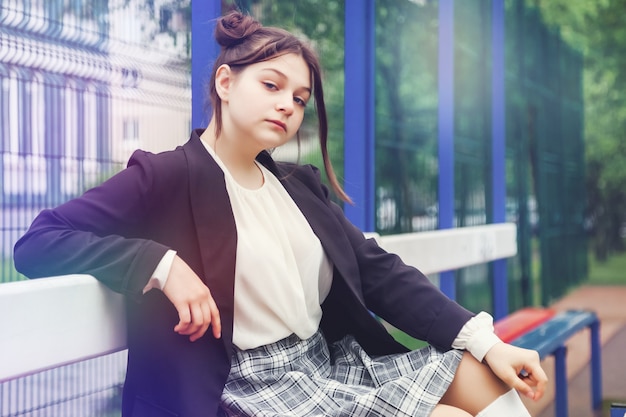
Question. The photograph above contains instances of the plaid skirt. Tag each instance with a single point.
(294, 377)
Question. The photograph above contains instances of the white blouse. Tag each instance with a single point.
(282, 274)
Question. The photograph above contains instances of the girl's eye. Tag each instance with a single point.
(300, 101)
(270, 85)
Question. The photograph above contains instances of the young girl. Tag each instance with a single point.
(248, 291)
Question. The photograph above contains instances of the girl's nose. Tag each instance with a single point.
(285, 104)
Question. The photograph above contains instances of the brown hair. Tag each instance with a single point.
(244, 41)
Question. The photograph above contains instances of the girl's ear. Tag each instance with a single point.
(223, 81)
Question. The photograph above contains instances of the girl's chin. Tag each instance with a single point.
(272, 144)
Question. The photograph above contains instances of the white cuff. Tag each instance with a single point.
(162, 271)
(477, 336)
(481, 342)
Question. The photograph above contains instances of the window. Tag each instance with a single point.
(131, 130)
(69, 162)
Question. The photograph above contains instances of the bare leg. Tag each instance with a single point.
(474, 387)
(442, 410)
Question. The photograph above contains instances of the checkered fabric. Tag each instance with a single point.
(294, 377)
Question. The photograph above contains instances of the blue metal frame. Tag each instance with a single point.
(498, 153)
(560, 376)
(446, 130)
(204, 51)
(596, 366)
(359, 113)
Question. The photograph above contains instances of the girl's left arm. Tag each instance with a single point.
(401, 294)
(404, 297)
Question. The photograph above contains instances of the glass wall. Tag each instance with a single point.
(473, 137)
(83, 84)
(406, 115)
(545, 157)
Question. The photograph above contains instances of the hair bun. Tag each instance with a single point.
(234, 28)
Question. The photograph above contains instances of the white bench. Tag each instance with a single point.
(49, 322)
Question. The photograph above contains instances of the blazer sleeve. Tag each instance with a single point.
(98, 233)
(402, 295)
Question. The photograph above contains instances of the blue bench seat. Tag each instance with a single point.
(618, 410)
(549, 338)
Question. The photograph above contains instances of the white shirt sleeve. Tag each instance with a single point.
(477, 336)
(162, 271)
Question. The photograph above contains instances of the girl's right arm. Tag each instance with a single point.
(103, 233)
(98, 233)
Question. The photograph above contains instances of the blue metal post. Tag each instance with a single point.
(204, 51)
(359, 112)
(498, 144)
(560, 382)
(446, 130)
(596, 366)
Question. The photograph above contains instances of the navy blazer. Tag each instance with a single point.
(120, 230)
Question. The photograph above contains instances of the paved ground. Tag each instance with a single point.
(609, 302)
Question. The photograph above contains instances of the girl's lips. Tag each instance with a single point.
(279, 123)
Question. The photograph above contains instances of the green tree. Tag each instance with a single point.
(406, 105)
(597, 29)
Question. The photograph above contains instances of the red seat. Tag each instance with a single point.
(521, 321)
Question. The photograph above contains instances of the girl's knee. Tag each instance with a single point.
(469, 375)
(471, 372)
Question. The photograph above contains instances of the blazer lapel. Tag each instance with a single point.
(215, 229)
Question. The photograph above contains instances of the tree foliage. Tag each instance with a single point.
(406, 106)
(597, 29)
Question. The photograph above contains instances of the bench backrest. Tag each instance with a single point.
(48, 322)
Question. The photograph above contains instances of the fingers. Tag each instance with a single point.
(519, 368)
(184, 316)
(195, 319)
(537, 378)
(529, 386)
(199, 323)
(215, 319)
(204, 322)
(209, 317)
(522, 387)
(192, 299)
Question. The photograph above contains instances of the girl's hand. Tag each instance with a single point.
(519, 368)
(193, 301)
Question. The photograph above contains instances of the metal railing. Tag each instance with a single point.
(92, 388)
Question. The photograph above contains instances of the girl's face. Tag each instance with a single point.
(263, 105)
